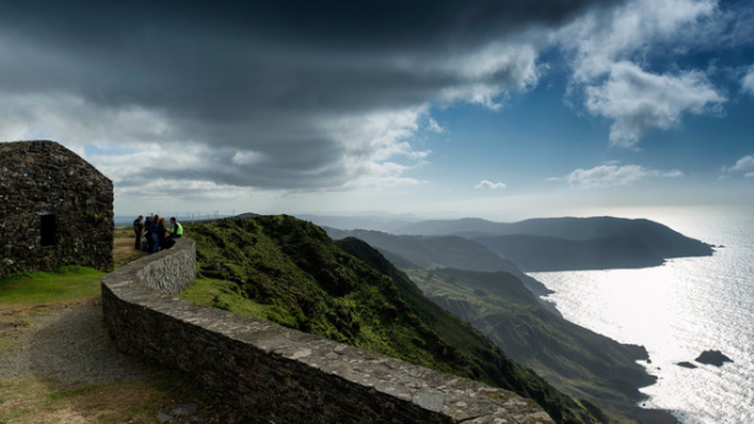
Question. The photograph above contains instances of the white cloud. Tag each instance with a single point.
(608, 54)
(434, 127)
(246, 157)
(744, 165)
(376, 148)
(515, 62)
(598, 40)
(76, 122)
(606, 176)
(747, 83)
(486, 77)
(137, 168)
(489, 185)
(637, 101)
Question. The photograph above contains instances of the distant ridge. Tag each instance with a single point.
(369, 222)
(247, 215)
(572, 243)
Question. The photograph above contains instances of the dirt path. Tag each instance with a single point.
(68, 348)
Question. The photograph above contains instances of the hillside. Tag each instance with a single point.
(290, 272)
(578, 361)
(660, 239)
(540, 253)
(432, 252)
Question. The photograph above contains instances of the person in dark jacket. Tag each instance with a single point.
(147, 234)
(161, 233)
(138, 229)
(154, 231)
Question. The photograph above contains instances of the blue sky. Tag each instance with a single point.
(496, 109)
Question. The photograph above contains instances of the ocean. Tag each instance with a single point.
(677, 311)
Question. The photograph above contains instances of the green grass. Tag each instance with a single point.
(65, 394)
(289, 272)
(67, 284)
(223, 295)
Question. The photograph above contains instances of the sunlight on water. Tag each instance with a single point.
(677, 311)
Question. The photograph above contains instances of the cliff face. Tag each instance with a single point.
(577, 361)
(288, 271)
(440, 252)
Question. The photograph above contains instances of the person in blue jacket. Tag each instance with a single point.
(154, 230)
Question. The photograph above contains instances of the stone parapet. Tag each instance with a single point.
(279, 375)
(169, 271)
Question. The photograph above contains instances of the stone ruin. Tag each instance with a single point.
(55, 209)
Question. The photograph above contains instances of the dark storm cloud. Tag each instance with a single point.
(337, 24)
(261, 76)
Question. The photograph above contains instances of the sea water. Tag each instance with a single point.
(677, 311)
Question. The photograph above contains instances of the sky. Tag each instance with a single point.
(494, 109)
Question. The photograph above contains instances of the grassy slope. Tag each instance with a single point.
(576, 360)
(288, 271)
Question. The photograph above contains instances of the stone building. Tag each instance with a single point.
(55, 209)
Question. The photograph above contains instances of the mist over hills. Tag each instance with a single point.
(540, 253)
(432, 252)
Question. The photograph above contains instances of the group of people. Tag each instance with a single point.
(155, 232)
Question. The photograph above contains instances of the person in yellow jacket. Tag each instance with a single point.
(176, 230)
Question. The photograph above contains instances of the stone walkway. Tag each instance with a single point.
(70, 349)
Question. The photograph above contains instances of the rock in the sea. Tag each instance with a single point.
(713, 357)
(686, 364)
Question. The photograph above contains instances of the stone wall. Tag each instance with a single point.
(55, 209)
(278, 375)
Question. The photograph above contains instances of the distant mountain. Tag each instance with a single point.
(574, 359)
(538, 253)
(612, 234)
(439, 252)
(290, 272)
(247, 215)
(381, 223)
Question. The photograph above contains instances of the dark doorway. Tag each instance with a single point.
(49, 230)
